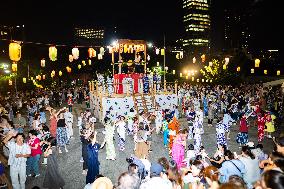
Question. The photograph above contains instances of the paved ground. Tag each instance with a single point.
(71, 168)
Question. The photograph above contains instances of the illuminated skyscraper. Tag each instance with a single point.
(196, 21)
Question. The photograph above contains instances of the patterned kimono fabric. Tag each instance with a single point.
(110, 149)
(260, 128)
(220, 134)
(173, 130)
(205, 106)
(178, 151)
(242, 137)
(165, 133)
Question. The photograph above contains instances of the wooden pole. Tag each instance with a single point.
(176, 87)
(165, 86)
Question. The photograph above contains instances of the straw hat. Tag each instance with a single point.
(102, 183)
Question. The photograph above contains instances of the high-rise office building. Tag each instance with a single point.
(237, 20)
(89, 36)
(196, 21)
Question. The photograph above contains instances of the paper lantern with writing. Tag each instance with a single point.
(60, 73)
(252, 70)
(102, 51)
(75, 53)
(265, 72)
(24, 80)
(71, 58)
(14, 67)
(42, 63)
(52, 53)
(162, 52)
(174, 71)
(92, 53)
(278, 72)
(15, 51)
(256, 63)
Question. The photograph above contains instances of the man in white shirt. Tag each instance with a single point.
(69, 122)
(18, 154)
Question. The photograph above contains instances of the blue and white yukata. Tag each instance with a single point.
(227, 122)
(121, 129)
(220, 134)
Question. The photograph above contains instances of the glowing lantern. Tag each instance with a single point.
(265, 72)
(42, 63)
(43, 77)
(157, 51)
(238, 69)
(75, 53)
(60, 73)
(203, 58)
(10, 82)
(100, 56)
(224, 67)
(180, 74)
(192, 78)
(158, 64)
(52, 53)
(202, 80)
(210, 64)
(24, 80)
(206, 81)
(278, 72)
(197, 80)
(53, 72)
(68, 69)
(15, 51)
(227, 60)
(102, 51)
(71, 58)
(210, 80)
(83, 62)
(14, 67)
(256, 63)
(51, 75)
(39, 77)
(79, 66)
(186, 77)
(92, 53)
(252, 71)
(90, 62)
(174, 72)
(162, 52)
(32, 78)
(193, 60)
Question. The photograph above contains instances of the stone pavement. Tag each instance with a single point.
(71, 168)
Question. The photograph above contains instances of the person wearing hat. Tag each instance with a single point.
(100, 183)
(158, 178)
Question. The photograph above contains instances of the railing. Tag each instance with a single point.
(111, 89)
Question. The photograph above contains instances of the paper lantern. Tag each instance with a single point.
(278, 72)
(10, 82)
(90, 62)
(43, 77)
(252, 70)
(174, 72)
(53, 72)
(256, 63)
(42, 63)
(202, 80)
(158, 64)
(206, 80)
(100, 56)
(83, 62)
(238, 69)
(79, 66)
(51, 75)
(180, 74)
(166, 68)
(68, 69)
(75, 53)
(203, 58)
(157, 51)
(71, 58)
(197, 80)
(192, 78)
(210, 64)
(52, 53)
(102, 51)
(265, 72)
(162, 52)
(193, 60)
(227, 60)
(224, 67)
(210, 80)
(15, 51)
(186, 77)
(92, 52)
(39, 77)
(60, 73)
(24, 80)
(14, 67)
(32, 78)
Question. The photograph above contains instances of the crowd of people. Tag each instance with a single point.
(188, 166)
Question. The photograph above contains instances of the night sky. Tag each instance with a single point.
(52, 21)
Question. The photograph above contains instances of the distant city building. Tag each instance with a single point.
(89, 36)
(196, 21)
(237, 19)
